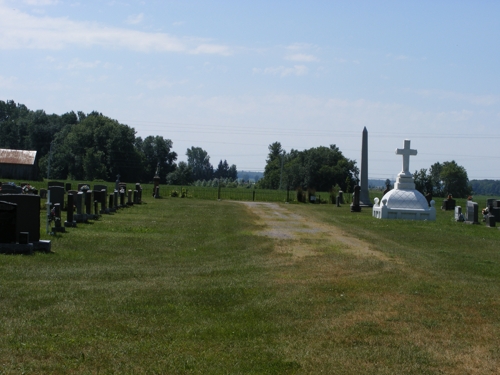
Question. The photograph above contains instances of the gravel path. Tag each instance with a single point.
(294, 233)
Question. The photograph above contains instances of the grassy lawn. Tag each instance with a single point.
(184, 286)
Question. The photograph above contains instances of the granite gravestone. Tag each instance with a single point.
(70, 222)
(8, 222)
(10, 188)
(57, 195)
(448, 204)
(355, 207)
(28, 218)
(472, 213)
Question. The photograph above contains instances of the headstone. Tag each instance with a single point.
(122, 198)
(338, 201)
(341, 196)
(115, 199)
(458, 214)
(448, 204)
(79, 217)
(28, 218)
(355, 207)
(129, 198)
(57, 223)
(494, 208)
(10, 188)
(8, 222)
(43, 193)
(57, 195)
(8, 230)
(68, 186)
(491, 221)
(55, 183)
(472, 213)
(111, 206)
(70, 222)
(139, 190)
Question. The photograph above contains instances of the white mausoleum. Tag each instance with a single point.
(404, 202)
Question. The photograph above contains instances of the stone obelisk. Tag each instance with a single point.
(364, 195)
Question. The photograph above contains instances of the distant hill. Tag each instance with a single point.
(248, 175)
(485, 187)
(378, 183)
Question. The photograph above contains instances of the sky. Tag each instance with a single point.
(232, 77)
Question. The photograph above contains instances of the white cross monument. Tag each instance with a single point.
(404, 202)
(405, 178)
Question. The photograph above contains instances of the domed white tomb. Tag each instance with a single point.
(404, 202)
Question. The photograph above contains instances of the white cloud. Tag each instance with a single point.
(77, 64)
(301, 57)
(7, 82)
(298, 46)
(19, 30)
(153, 84)
(41, 2)
(480, 100)
(212, 49)
(296, 70)
(135, 19)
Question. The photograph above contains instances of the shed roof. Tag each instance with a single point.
(24, 157)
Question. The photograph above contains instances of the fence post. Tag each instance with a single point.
(253, 196)
(218, 193)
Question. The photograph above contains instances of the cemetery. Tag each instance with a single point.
(135, 279)
(171, 262)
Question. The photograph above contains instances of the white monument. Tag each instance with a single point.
(404, 202)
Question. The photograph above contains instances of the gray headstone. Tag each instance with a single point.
(57, 195)
(355, 207)
(28, 214)
(8, 222)
(472, 213)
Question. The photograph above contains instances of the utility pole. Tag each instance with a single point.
(50, 158)
(281, 174)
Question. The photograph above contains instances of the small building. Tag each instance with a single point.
(18, 165)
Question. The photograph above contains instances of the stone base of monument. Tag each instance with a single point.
(404, 204)
(26, 249)
(70, 224)
(58, 229)
(16, 248)
(355, 208)
(42, 245)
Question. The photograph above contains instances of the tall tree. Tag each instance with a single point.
(156, 151)
(199, 162)
(272, 171)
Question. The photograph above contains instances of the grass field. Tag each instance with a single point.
(186, 286)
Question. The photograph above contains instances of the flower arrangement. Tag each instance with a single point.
(84, 188)
(28, 189)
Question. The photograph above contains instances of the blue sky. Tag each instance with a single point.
(233, 77)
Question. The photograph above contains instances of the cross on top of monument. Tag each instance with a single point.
(406, 152)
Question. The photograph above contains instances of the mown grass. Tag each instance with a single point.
(183, 286)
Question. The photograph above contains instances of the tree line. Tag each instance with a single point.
(443, 179)
(79, 146)
(319, 168)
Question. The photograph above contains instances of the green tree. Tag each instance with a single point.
(181, 175)
(455, 180)
(199, 162)
(272, 171)
(423, 181)
(155, 150)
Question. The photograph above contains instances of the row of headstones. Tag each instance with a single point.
(59, 189)
(472, 213)
(20, 213)
(85, 204)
